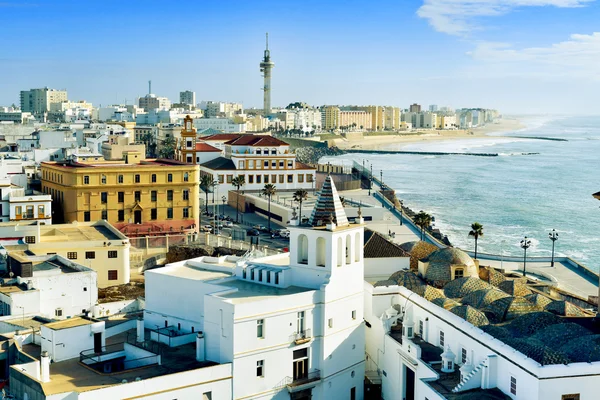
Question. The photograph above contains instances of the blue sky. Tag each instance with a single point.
(520, 56)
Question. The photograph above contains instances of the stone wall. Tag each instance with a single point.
(182, 252)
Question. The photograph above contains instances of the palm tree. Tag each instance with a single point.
(268, 191)
(167, 149)
(299, 197)
(476, 232)
(206, 183)
(422, 220)
(238, 182)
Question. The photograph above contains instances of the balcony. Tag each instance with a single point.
(301, 337)
(306, 382)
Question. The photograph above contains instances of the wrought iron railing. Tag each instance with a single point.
(301, 336)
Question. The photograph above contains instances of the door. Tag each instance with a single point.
(98, 342)
(137, 216)
(410, 384)
(301, 369)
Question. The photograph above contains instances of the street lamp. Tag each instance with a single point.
(401, 207)
(381, 179)
(525, 244)
(223, 199)
(554, 237)
(371, 180)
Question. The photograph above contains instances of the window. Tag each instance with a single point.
(309, 178)
(281, 164)
(169, 177)
(30, 239)
(153, 213)
(121, 215)
(137, 195)
(459, 273)
(274, 164)
(250, 164)
(268, 274)
(250, 178)
(330, 322)
(29, 212)
(277, 278)
(258, 151)
(441, 339)
(186, 194)
(229, 178)
(104, 197)
(251, 274)
(300, 322)
(18, 211)
(153, 195)
(153, 178)
(86, 180)
(290, 164)
(463, 355)
(421, 327)
(90, 255)
(570, 397)
(137, 178)
(103, 179)
(112, 254)
(258, 178)
(58, 312)
(104, 215)
(121, 197)
(266, 164)
(300, 178)
(221, 178)
(281, 178)
(266, 178)
(260, 368)
(113, 275)
(353, 314)
(72, 255)
(260, 332)
(186, 177)
(169, 195)
(120, 179)
(513, 385)
(290, 178)
(169, 213)
(87, 216)
(186, 212)
(353, 393)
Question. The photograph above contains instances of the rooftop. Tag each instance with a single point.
(205, 147)
(220, 163)
(328, 207)
(69, 323)
(186, 270)
(251, 292)
(377, 246)
(147, 163)
(256, 140)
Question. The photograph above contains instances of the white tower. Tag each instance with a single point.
(265, 67)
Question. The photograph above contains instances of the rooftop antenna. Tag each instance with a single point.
(267, 34)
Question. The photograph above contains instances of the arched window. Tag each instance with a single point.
(340, 256)
(348, 250)
(321, 252)
(302, 249)
(357, 247)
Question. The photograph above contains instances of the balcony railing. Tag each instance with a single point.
(305, 382)
(301, 337)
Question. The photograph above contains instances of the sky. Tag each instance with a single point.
(518, 56)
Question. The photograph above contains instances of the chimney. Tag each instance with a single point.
(200, 347)
(45, 367)
(140, 330)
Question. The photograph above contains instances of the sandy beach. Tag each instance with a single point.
(376, 142)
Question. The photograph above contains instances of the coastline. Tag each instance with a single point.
(382, 141)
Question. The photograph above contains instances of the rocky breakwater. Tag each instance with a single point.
(312, 155)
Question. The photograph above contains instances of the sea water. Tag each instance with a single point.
(512, 195)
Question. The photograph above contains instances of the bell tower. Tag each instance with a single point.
(187, 146)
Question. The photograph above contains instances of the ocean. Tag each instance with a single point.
(512, 195)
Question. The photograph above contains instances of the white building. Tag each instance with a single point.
(225, 125)
(261, 159)
(290, 324)
(152, 102)
(40, 101)
(221, 109)
(187, 97)
(48, 286)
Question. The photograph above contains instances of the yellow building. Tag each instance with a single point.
(138, 196)
(354, 120)
(332, 117)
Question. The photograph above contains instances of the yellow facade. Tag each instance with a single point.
(138, 196)
(332, 118)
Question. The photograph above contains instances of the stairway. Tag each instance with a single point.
(472, 380)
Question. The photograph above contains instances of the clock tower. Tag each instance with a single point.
(187, 146)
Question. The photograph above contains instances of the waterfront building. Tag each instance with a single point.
(261, 159)
(428, 120)
(291, 324)
(355, 119)
(187, 97)
(39, 101)
(416, 108)
(138, 196)
(49, 286)
(392, 117)
(446, 121)
(330, 117)
(96, 245)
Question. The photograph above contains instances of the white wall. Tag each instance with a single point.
(64, 344)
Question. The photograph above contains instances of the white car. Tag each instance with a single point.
(228, 224)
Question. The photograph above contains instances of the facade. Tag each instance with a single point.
(40, 101)
(355, 119)
(261, 160)
(48, 286)
(96, 245)
(225, 125)
(187, 97)
(416, 108)
(330, 117)
(191, 150)
(153, 102)
(291, 325)
(137, 196)
(18, 204)
(15, 116)
(221, 109)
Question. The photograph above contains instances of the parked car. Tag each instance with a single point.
(253, 232)
(228, 224)
(284, 233)
(207, 228)
(259, 227)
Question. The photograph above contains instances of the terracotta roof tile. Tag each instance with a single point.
(205, 147)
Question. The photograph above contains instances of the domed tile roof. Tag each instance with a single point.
(538, 351)
(440, 262)
(445, 302)
(515, 287)
(558, 335)
(511, 307)
(566, 309)
(483, 297)
(432, 293)
(471, 315)
(461, 287)
(539, 299)
(409, 280)
(529, 324)
(492, 276)
(417, 250)
(583, 349)
(387, 282)
(496, 331)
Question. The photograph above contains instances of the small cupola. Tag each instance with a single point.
(448, 360)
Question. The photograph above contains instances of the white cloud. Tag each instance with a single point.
(576, 57)
(458, 17)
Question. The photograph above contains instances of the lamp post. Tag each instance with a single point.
(401, 211)
(525, 244)
(554, 237)
(371, 180)
(223, 199)
(381, 179)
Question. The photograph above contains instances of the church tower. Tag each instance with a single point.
(187, 145)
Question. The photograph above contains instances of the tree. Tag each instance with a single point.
(422, 220)
(148, 139)
(268, 191)
(167, 149)
(476, 232)
(206, 183)
(299, 197)
(238, 182)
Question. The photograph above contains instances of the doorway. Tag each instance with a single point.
(137, 216)
(98, 342)
(300, 364)
(409, 388)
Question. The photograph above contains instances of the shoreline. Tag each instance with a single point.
(383, 141)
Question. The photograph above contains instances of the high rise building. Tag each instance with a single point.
(153, 102)
(266, 66)
(433, 107)
(415, 108)
(40, 101)
(188, 97)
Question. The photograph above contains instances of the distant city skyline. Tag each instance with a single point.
(518, 56)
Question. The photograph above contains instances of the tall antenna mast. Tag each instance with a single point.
(149, 87)
(267, 40)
